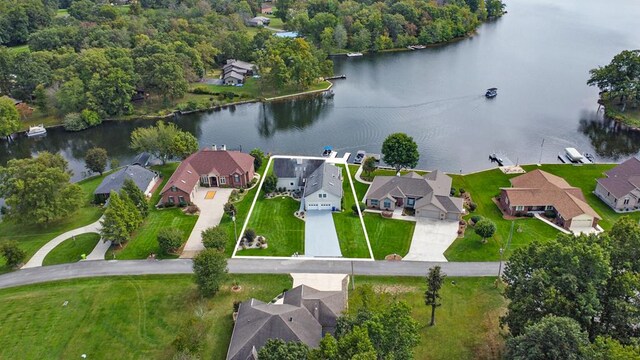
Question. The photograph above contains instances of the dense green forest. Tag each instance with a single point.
(69, 56)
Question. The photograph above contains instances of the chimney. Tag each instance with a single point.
(214, 147)
(223, 147)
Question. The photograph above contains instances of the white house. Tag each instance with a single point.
(323, 189)
(292, 173)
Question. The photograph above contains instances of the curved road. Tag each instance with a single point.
(241, 266)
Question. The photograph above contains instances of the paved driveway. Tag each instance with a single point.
(320, 237)
(431, 238)
(211, 211)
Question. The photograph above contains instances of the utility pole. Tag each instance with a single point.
(235, 229)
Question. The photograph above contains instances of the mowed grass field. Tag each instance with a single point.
(121, 317)
(134, 317)
(353, 243)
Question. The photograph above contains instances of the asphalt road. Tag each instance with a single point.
(241, 266)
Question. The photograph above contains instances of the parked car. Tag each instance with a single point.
(359, 157)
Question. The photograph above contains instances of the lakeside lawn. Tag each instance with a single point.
(353, 243)
(252, 90)
(32, 237)
(467, 323)
(71, 250)
(144, 240)
(121, 317)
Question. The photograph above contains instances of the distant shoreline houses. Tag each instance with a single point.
(234, 71)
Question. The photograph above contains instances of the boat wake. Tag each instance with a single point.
(409, 106)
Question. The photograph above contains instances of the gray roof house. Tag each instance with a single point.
(305, 315)
(620, 189)
(145, 180)
(427, 195)
(234, 71)
(323, 188)
(258, 21)
(292, 173)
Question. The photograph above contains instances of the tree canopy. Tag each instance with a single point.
(9, 117)
(37, 190)
(400, 151)
(164, 141)
(96, 160)
(210, 268)
(620, 78)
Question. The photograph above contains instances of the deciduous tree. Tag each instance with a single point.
(369, 165)
(215, 237)
(96, 160)
(210, 268)
(12, 253)
(9, 117)
(169, 240)
(258, 157)
(270, 183)
(485, 228)
(277, 349)
(184, 144)
(400, 151)
(620, 78)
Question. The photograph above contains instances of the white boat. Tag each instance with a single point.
(354, 54)
(36, 130)
(417, 47)
(573, 155)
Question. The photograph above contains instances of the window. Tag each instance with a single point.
(204, 179)
(236, 178)
(223, 180)
(320, 196)
(171, 200)
(548, 207)
(387, 204)
(519, 208)
(411, 202)
(374, 202)
(174, 189)
(608, 193)
(626, 201)
(181, 199)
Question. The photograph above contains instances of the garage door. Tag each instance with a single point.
(428, 214)
(312, 206)
(581, 223)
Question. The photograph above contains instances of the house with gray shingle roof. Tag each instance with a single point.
(304, 315)
(621, 188)
(292, 173)
(323, 189)
(143, 178)
(427, 195)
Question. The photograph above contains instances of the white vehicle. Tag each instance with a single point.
(36, 130)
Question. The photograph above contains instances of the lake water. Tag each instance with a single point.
(538, 55)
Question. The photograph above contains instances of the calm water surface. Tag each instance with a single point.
(538, 55)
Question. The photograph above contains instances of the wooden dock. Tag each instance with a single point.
(336, 77)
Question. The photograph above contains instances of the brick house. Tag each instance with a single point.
(208, 168)
(541, 192)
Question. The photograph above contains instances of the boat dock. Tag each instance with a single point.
(501, 160)
(336, 77)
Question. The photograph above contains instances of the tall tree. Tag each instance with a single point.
(120, 219)
(137, 196)
(96, 160)
(435, 280)
(553, 338)
(400, 151)
(258, 157)
(210, 268)
(620, 78)
(164, 141)
(184, 144)
(369, 165)
(37, 190)
(9, 117)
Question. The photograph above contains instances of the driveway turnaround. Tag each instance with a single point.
(84, 269)
(320, 237)
(37, 259)
(211, 203)
(431, 238)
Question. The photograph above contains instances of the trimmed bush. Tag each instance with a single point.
(475, 218)
(550, 214)
(229, 209)
(249, 235)
(169, 240)
(214, 238)
(12, 253)
(473, 206)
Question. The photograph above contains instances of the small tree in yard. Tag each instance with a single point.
(215, 237)
(169, 240)
(12, 253)
(96, 160)
(435, 279)
(485, 228)
(210, 269)
(369, 165)
(400, 151)
(258, 157)
(270, 183)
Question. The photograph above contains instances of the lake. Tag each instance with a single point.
(538, 56)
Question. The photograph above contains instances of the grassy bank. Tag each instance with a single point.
(71, 250)
(144, 240)
(121, 317)
(31, 237)
(630, 117)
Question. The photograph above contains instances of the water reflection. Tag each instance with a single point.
(290, 115)
(610, 139)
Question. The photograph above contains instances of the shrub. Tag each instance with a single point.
(191, 209)
(485, 228)
(476, 218)
(529, 215)
(473, 206)
(215, 238)
(462, 222)
(229, 95)
(12, 253)
(74, 122)
(90, 117)
(236, 306)
(169, 240)
(462, 191)
(270, 183)
(190, 337)
(452, 191)
(550, 214)
(250, 235)
(229, 209)
(202, 90)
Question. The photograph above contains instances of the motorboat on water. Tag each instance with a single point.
(491, 93)
(327, 151)
(354, 54)
(36, 130)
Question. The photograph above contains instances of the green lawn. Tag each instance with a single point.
(274, 219)
(71, 250)
(388, 236)
(353, 243)
(121, 317)
(252, 89)
(32, 237)
(467, 323)
(144, 240)
(361, 189)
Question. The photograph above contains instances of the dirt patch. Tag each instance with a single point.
(393, 257)
(393, 289)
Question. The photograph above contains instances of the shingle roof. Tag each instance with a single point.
(142, 159)
(539, 188)
(327, 177)
(289, 168)
(622, 179)
(207, 161)
(141, 176)
(233, 74)
(433, 188)
(296, 319)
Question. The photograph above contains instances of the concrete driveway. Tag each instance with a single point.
(431, 238)
(211, 212)
(320, 237)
